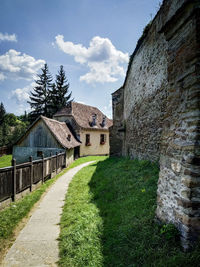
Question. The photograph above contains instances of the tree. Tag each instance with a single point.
(39, 99)
(59, 95)
(53, 100)
(2, 113)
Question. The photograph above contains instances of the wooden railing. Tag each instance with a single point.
(17, 178)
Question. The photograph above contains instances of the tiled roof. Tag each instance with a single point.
(61, 132)
(83, 115)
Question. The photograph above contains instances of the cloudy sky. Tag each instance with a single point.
(92, 39)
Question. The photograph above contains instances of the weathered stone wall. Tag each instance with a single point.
(118, 128)
(179, 181)
(162, 111)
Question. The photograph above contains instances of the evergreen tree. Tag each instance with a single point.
(2, 113)
(39, 99)
(59, 95)
(53, 100)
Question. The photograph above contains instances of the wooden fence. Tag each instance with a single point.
(17, 178)
(5, 150)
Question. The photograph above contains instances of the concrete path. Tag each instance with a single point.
(37, 244)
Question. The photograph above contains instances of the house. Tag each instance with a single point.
(89, 125)
(45, 137)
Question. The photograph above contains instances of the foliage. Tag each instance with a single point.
(169, 231)
(39, 99)
(2, 113)
(5, 161)
(48, 97)
(109, 219)
(11, 127)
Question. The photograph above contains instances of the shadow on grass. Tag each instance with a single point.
(124, 192)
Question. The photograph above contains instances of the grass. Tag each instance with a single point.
(109, 219)
(5, 161)
(11, 216)
(86, 159)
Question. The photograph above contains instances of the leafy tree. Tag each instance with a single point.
(10, 119)
(17, 132)
(11, 126)
(59, 94)
(24, 118)
(39, 99)
(2, 113)
(5, 134)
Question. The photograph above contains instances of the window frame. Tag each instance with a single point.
(87, 140)
(102, 139)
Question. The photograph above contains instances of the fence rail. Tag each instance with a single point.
(17, 178)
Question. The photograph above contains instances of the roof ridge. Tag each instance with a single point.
(87, 106)
(60, 122)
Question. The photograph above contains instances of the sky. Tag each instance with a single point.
(92, 39)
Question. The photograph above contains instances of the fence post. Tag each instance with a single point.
(56, 162)
(14, 180)
(42, 168)
(50, 167)
(65, 159)
(31, 172)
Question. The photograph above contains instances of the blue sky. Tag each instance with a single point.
(92, 39)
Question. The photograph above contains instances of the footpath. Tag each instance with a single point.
(37, 244)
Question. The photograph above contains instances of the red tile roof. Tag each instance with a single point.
(83, 115)
(61, 132)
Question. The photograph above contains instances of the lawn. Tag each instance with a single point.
(109, 219)
(5, 161)
(11, 216)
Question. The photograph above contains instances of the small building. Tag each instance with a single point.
(89, 125)
(45, 137)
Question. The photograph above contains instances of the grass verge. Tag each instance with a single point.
(11, 216)
(108, 219)
(5, 161)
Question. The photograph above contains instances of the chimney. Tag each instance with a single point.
(103, 121)
(94, 117)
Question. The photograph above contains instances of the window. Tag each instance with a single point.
(87, 140)
(102, 139)
(69, 137)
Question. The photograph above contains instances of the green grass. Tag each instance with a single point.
(109, 219)
(11, 216)
(87, 159)
(5, 161)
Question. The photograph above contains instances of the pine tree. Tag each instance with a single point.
(2, 113)
(53, 100)
(60, 95)
(39, 99)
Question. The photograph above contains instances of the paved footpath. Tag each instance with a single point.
(37, 244)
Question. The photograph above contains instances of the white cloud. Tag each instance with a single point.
(7, 37)
(103, 59)
(21, 96)
(2, 77)
(108, 109)
(15, 65)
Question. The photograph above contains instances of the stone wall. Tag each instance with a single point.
(118, 128)
(162, 111)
